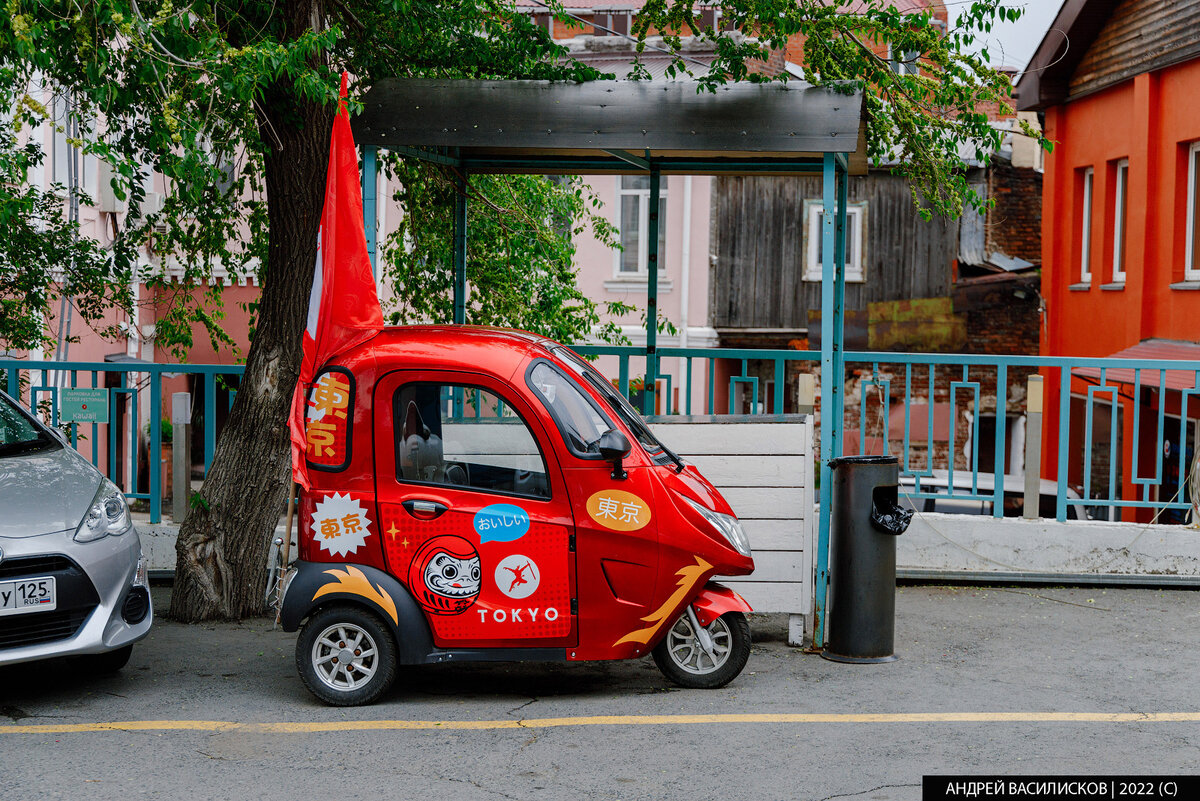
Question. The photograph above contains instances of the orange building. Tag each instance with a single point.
(1117, 84)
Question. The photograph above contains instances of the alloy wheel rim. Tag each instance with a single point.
(345, 657)
(685, 650)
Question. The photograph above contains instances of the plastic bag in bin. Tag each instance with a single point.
(888, 518)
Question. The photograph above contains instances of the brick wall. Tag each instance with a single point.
(1015, 223)
(1007, 326)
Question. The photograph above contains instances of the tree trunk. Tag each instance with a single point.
(221, 553)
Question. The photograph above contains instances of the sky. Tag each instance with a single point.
(1011, 44)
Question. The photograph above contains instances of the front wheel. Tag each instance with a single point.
(346, 656)
(690, 659)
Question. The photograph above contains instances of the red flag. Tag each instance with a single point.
(343, 309)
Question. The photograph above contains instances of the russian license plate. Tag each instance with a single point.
(27, 595)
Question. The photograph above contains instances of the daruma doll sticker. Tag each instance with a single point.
(618, 510)
(444, 576)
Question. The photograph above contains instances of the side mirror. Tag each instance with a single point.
(614, 447)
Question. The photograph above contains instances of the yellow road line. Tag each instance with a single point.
(308, 727)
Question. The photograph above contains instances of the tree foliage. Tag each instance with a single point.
(925, 103)
(42, 259)
(180, 90)
(522, 232)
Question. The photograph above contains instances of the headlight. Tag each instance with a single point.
(727, 525)
(109, 514)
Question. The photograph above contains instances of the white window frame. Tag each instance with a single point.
(643, 256)
(907, 64)
(856, 223)
(1191, 270)
(1120, 204)
(61, 151)
(1085, 222)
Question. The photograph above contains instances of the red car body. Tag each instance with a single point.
(426, 508)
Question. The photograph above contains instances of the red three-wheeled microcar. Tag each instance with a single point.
(487, 495)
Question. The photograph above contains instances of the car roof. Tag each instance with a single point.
(486, 349)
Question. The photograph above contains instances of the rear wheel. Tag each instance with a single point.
(691, 659)
(346, 656)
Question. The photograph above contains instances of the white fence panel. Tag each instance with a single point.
(765, 471)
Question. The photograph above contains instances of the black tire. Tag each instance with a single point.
(361, 635)
(695, 668)
(107, 662)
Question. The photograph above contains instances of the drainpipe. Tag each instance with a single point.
(685, 275)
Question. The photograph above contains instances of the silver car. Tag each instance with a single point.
(72, 577)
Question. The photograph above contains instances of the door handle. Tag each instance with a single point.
(424, 510)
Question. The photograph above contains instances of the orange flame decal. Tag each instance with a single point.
(353, 581)
(689, 577)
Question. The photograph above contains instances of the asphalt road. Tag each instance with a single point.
(999, 681)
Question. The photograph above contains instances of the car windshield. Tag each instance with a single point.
(616, 401)
(18, 432)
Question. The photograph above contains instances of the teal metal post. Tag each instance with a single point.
(460, 249)
(833, 243)
(155, 459)
(369, 192)
(652, 296)
(210, 420)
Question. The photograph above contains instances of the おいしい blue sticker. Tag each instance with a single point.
(501, 522)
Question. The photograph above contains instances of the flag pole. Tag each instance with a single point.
(286, 550)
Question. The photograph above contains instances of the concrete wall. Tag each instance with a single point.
(1082, 548)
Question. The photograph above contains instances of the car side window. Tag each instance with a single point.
(467, 437)
(578, 420)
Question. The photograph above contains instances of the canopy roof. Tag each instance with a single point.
(616, 126)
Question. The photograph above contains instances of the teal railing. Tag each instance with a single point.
(141, 386)
(927, 409)
(909, 388)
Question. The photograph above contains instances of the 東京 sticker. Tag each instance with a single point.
(517, 576)
(445, 575)
(501, 522)
(326, 421)
(618, 510)
(340, 524)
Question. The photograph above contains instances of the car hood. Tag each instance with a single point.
(45, 492)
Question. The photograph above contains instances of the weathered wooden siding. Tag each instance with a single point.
(1141, 35)
(760, 241)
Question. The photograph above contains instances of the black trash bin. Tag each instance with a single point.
(865, 520)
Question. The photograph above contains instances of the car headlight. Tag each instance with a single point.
(727, 525)
(109, 514)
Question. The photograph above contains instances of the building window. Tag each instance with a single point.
(1191, 267)
(814, 251)
(633, 195)
(904, 62)
(1120, 202)
(65, 126)
(1085, 228)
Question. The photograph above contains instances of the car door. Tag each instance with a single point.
(475, 516)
